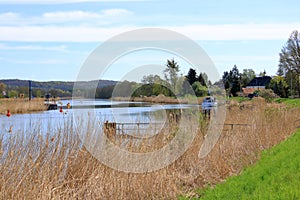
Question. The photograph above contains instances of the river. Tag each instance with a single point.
(100, 110)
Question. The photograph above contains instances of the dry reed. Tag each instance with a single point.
(57, 166)
(21, 105)
(153, 99)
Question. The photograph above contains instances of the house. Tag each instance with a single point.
(258, 83)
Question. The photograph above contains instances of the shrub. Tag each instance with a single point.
(267, 94)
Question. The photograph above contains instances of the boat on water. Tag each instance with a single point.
(52, 105)
(209, 102)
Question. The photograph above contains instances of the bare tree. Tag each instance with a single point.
(289, 62)
(171, 73)
(290, 54)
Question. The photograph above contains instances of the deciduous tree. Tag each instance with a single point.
(171, 73)
(289, 62)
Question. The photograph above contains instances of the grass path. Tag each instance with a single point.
(275, 176)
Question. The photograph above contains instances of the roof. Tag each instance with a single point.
(247, 91)
(260, 81)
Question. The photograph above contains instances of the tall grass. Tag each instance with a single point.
(21, 105)
(57, 165)
(163, 99)
(152, 99)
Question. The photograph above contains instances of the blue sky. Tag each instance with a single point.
(50, 40)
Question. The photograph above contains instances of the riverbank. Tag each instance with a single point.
(275, 176)
(161, 99)
(56, 165)
(21, 106)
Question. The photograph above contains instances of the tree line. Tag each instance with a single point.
(286, 82)
(173, 84)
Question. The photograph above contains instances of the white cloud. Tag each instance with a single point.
(58, 1)
(61, 48)
(195, 32)
(71, 15)
(103, 17)
(66, 18)
(10, 18)
(238, 31)
(41, 62)
(9, 15)
(57, 34)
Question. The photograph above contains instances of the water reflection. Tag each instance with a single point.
(141, 115)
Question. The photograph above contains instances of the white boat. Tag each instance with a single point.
(209, 102)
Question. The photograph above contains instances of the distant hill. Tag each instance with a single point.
(49, 85)
(56, 88)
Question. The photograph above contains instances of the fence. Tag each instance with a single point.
(111, 129)
(134, 130)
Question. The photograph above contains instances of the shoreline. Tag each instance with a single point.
(160, 99)
(22, 106)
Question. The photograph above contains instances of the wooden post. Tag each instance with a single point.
(110, 130)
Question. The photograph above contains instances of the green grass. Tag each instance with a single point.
(287, 101)
(290, 102)
(275, 176)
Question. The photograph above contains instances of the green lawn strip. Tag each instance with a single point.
(275, 176)
(290, 102)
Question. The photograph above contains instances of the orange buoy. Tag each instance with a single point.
(8, 113)
(61, 110)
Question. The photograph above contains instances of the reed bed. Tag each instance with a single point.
(57, 165)
(153, 99)
(22, 105)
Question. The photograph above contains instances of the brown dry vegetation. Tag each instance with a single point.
(21, 105)
(57, 167)
(161, 99)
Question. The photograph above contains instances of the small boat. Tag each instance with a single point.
(51, 105)
(209, 102)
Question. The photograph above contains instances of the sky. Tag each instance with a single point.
(47, 40)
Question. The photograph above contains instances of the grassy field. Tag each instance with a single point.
(275, 176)
(57, 165)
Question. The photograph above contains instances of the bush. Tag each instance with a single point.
(199, 89)
(267, 94)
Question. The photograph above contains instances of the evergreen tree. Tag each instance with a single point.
(191, 77)
(232, 81)
(202, 78)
